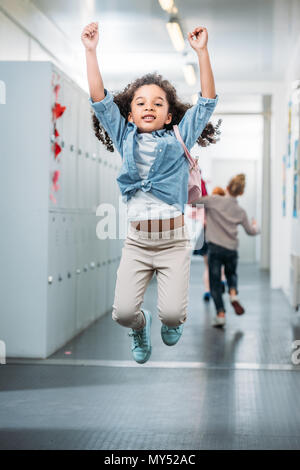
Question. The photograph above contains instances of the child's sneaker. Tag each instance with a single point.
(141, 340)
(239, 309)
(171, 335)
(219, 321)
(206, 296)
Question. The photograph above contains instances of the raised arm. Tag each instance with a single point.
(198, 41)
(250, 229)
(196, 118)
(90, 38)
(101, 100)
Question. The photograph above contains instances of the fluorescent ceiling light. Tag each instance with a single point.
(166, 5)
(176, 35)
(189, 74)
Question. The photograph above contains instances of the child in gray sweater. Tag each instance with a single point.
(223, 215)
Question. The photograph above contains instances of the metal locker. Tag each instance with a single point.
(105, 200)
(55, 311)
(69, 142)
(94, 175)
(82, 274)
(100, 176)
(92, 267)
(68, 281)
(56, 185)
(80, 292)
(89, 150)
(101, 289)
(81, 152)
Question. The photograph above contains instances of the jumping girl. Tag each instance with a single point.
(153, 181)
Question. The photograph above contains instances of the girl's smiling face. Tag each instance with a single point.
(150, 109)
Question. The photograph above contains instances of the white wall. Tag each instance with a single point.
(287, 237)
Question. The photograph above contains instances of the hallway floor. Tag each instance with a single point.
(235, 388)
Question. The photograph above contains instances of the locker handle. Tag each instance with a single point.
(92, 265)
(50, 279)
(78, 271)
(59, 278)
(85, 268)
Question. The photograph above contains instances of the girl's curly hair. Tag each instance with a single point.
(123, 100)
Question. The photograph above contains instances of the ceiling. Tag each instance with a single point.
(248, 40)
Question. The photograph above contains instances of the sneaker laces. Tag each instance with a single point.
(139, 338)
(176, 329)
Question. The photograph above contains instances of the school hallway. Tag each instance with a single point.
(235, 388)
(91, 92)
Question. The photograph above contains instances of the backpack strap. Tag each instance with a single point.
(187, 153)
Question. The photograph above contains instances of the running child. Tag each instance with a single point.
(223, 215)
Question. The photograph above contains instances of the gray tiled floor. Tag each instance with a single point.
(85, 407)
(263, 335)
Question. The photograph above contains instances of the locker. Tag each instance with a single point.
(84, 275)
(78, 268)
(101, 290)
(94, 177)
(82, 153)
(55, 310)
(68, 282)
(69, 145)
(92, 267)
(56, 161)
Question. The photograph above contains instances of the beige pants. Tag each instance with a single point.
(166, 253)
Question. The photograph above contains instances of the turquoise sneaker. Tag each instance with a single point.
(141, 341)
(171, 335)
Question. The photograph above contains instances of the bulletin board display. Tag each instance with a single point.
(294, 148)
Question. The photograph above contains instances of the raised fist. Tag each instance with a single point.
(90, 36)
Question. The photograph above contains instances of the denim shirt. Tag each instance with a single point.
(169, 172)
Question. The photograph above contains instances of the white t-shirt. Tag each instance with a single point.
(144, 205)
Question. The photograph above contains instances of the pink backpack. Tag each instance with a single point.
(195, 183)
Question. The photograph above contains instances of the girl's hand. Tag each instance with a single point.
(201, 37)
(90, 36)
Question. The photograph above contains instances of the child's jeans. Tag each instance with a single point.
(218, 256)
(168, 254)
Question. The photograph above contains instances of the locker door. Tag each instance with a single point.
(52, 281)
(56, 162)
(80, 291)
(81, 152)
(55, 303)
(82, 274)
(68, 283)
(101, 290)
(94, 176)
(69, 153)
(92, 267)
